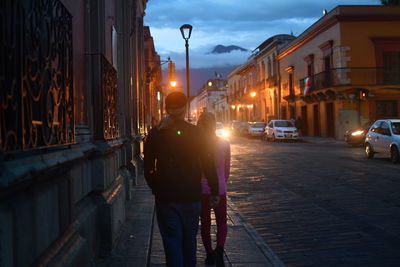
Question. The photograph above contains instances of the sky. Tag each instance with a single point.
(245, 23)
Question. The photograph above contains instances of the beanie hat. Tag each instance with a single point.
(175, 100)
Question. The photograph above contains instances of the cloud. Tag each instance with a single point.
(229, 22)
(203, 60)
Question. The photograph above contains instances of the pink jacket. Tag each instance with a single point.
(223, 165)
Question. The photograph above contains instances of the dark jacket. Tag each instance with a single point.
(174, 159)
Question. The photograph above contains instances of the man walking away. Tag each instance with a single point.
(175, 156)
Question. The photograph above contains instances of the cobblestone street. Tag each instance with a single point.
(319, 204)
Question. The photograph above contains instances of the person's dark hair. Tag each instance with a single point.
(175, 100)
(207, 122)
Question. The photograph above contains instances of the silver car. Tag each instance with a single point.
(256, 129)
(384, 137)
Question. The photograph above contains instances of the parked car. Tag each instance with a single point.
(240, 128)
(384, 137)
(356, 136)
(256, 129)
(281, 130)
(237, 126)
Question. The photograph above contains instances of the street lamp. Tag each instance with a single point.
(186, 31)
(172, 83)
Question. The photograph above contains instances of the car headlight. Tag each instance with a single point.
(279, 131)
(225, 133)
(357, 133)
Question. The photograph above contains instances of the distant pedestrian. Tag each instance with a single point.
(222, 157)
(176, 154)
(298, 125)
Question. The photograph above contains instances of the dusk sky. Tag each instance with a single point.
(229, 22)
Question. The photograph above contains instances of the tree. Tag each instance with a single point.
(390, 2)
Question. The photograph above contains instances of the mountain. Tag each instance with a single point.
(220, 49)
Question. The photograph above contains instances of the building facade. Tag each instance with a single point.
(154, 93)
(267, 84)
(210, 99)
(242, 92)
(72, 119)
(343, 71)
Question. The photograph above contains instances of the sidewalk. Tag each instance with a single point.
(140, 242)
(321, 140)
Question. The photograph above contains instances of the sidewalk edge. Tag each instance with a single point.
(259, 241)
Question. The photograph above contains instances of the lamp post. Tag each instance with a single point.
(186, 31)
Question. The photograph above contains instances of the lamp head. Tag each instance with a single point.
(186, 31)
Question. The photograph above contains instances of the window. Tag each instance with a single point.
(274, 65)
(387, 53)
(283, 124)
(263, 70)
(269, 68)
(386, 109)
(396, 128)
(114, 44)
(391, 67)
(327, 52)
(310, 65)
(291, 89)
(384, 129)
(375, 127)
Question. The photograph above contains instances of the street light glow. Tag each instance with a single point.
(253, 94)
(172, 83)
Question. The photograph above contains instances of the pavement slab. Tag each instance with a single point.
(140, 243)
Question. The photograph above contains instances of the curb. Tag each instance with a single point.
(238, 218)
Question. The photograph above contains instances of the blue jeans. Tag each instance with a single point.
(178, 224)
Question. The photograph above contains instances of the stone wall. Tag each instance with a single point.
(66, 206)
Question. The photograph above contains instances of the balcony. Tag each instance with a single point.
(353, 77)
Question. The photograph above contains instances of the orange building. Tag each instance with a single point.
(343, 71)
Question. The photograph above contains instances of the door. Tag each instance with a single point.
(373, 135)
(304, 121)
(383, 138)
(330, 120)
(292, 112)
(316, 120)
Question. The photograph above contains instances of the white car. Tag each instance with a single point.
(384, 137)
(281, 130)
(256, 129)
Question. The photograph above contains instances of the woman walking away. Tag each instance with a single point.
(222, 156)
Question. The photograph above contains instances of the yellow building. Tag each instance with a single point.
(267, 76)
(343, 71)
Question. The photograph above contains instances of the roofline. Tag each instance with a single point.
(329, 21)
